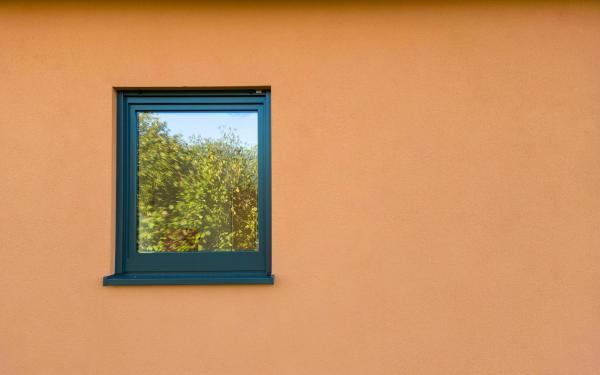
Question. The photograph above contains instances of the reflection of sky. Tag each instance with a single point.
(208, 124)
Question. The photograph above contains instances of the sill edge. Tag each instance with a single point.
(124, 279)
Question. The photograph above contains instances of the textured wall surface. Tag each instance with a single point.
(436, 188)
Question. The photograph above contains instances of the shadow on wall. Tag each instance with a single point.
(283, 4)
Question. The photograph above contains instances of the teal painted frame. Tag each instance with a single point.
(133, 268)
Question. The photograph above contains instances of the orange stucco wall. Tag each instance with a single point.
(436, 188)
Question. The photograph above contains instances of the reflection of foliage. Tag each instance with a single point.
(195, 195)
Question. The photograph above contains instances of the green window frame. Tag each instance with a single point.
(134, 268)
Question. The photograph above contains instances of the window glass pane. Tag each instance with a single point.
(197, 181)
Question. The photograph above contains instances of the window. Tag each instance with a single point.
(193, 188)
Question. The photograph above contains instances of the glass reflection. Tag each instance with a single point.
(197, 181)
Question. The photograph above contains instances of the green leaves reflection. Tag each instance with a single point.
(195, 195)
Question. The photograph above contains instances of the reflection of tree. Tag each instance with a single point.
(195, 195)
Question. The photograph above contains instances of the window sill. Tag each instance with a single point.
(184, 279)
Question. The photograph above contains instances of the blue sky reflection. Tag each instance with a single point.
(211, 124)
